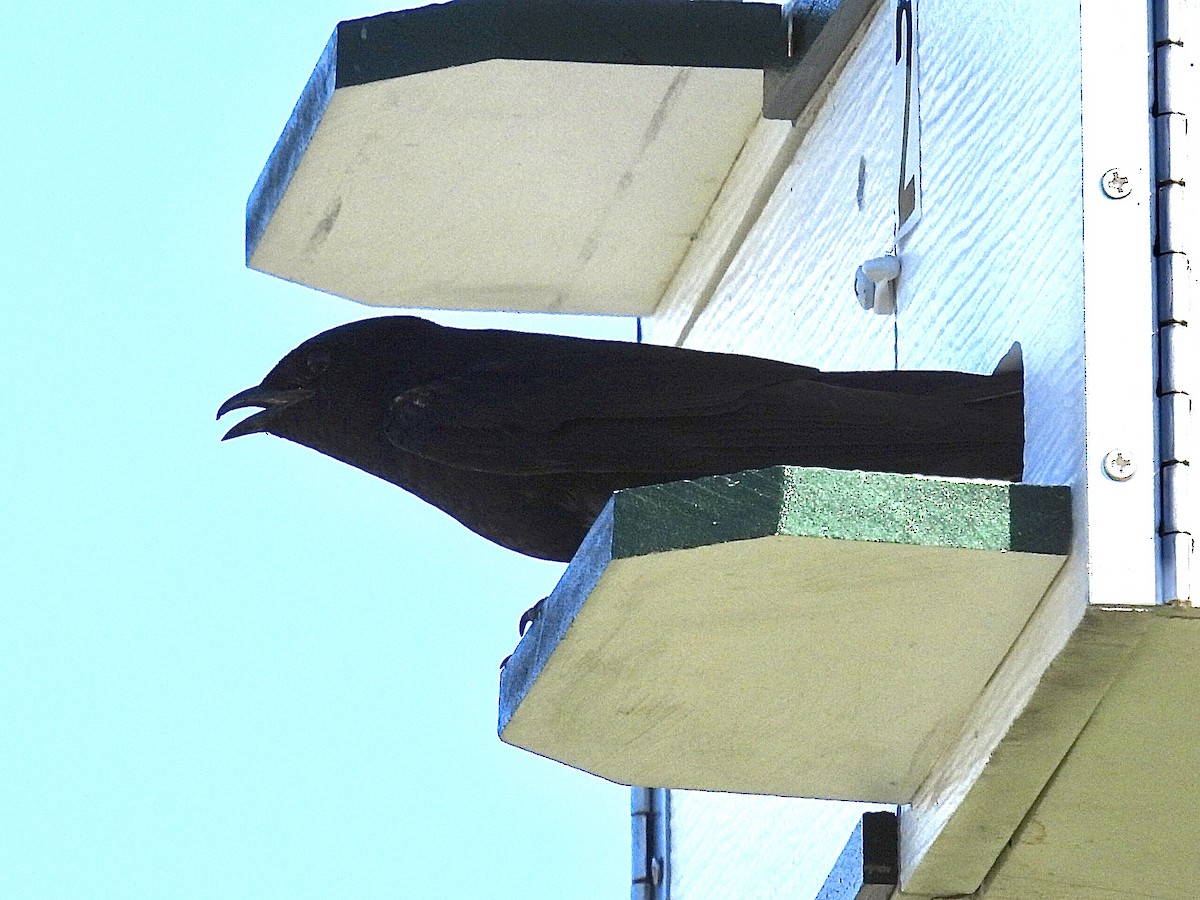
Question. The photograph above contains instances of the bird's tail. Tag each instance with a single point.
(989, 440)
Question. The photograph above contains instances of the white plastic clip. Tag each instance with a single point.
(882, 270)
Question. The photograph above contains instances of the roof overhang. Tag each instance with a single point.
(552, 155)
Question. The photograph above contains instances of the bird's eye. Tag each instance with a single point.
(317, 362)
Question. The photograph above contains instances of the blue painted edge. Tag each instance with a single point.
(871, 857)
(289, 149)
(846, 876)
(532, 654)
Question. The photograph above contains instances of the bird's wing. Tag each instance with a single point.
(612, 407)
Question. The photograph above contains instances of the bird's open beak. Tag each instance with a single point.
(271, 400)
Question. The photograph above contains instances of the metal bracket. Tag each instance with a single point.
(650, 816)
(818, 33)
(1174, 284)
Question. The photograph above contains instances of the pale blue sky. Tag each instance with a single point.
(241, 669)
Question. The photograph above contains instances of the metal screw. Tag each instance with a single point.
(1118, 466)
(1115, 185)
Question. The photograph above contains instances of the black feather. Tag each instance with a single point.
(523, 437)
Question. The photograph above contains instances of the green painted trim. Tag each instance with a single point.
(724, 35)
(841, 505)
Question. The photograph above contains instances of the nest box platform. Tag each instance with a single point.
(788, 631)
(554, 155)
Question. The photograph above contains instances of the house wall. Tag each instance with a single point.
(998, 257)
(765, 848)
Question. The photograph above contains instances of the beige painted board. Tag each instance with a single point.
(542, 186)
(740, 202)
(966, 812)
(1117, 820)
(784, 665)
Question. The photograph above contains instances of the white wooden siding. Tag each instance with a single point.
(998, 257)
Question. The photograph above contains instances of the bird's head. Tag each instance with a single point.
(334, 387)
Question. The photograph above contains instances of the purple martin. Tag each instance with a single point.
(524, 437)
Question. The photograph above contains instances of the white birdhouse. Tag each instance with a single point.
(848, 185)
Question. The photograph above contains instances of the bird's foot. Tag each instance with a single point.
(528, 617)
(531, 615)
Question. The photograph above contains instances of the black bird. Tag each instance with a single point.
(523, 437)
